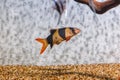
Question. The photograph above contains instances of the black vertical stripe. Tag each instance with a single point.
(52, 31)
(50, 40)
(72, 30)
(62, 32)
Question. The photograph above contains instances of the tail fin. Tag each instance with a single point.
(44, 42)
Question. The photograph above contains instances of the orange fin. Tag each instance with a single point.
(68, 38)
(44, 42)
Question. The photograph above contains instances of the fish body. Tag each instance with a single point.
(100, 7)
(59, 6)
(57, 36)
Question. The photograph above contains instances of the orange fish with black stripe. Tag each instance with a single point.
(57, 36)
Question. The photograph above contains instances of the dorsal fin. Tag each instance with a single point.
(52, 31)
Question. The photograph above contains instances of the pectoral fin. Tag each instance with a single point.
(68, 38)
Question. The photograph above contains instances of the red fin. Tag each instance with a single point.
(44, 42)
(68, 38)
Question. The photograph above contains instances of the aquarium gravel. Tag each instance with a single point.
(61, 72)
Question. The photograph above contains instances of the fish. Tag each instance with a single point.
(93, 8)
(92, 5)
(100, 7)
(57, 36)
(60, 7)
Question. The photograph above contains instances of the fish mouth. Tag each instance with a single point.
(77, 30)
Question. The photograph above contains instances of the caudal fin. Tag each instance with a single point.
(44, 42)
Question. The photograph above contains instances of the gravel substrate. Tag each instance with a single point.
(61, 72)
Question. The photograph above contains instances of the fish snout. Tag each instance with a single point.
(76, 30)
